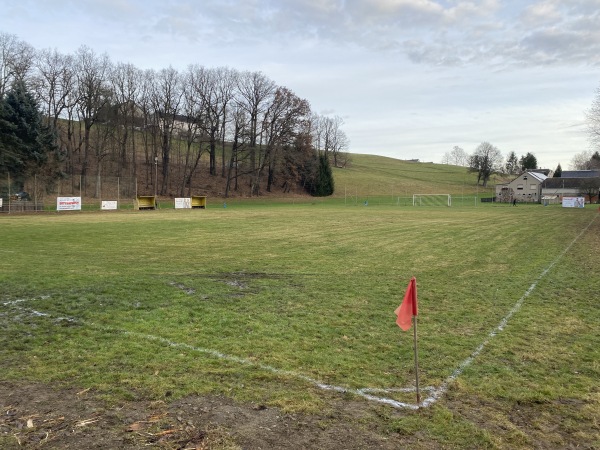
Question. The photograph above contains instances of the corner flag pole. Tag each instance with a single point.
(414, 320)
(406, 313)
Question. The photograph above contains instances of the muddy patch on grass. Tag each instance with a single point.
(539, 425)
(183, 287)
(245, 283)
(242, 283)
(34, 415)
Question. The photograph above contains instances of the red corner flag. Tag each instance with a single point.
(408, 308)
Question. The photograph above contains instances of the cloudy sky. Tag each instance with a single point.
(410, 78)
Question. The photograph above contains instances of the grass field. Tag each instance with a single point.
(387, 178)
(260, 303)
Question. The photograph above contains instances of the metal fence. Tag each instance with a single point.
(40, 193)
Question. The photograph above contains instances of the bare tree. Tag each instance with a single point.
(263, 132)
(126, 81)
(193, 109)
(282, 124)
(330, 139)
(149, 122)
(239, 143)
(166, 98)
(227, 84)
(586, 160)
(255, 91)
(16, 60)
(206, 88)
(459, 157)
(92, 74)
(54, 82)
(485, 160)
(590, 187)
(593, 119)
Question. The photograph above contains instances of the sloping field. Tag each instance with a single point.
(289, 309)
(378, 175)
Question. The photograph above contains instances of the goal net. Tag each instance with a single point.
(432, 200)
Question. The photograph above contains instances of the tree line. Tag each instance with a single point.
(487, 159)
(107, 118)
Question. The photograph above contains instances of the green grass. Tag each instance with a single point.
(387, 179)
(310, 289)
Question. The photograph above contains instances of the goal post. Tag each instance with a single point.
(432, 200)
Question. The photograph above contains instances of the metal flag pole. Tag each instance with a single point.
(414, 319)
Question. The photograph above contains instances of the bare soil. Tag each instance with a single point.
(35, 415)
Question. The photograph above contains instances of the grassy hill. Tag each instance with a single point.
(378, 179)
(371, 175)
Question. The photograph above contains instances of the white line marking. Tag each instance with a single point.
(327, 387)
(467, 362)
(435, 393)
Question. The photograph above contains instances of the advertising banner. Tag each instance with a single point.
(183, 203)
(109, 204)
(573, 202)
(68, 203)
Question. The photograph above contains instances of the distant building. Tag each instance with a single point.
(546, 172)
(580, 174)
(554, 189)
(526, 188)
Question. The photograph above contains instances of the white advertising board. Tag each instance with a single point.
(183, 203)
(573, 202)
(68, 203)
(109, 204)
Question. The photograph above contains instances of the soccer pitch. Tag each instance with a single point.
(293, 305)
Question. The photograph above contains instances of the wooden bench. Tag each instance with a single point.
(145, 202)
(199, 201)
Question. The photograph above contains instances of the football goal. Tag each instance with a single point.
(432, 200)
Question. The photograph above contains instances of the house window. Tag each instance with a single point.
(519, 187)
(533, 187)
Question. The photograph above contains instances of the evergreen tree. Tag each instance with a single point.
(512, 163)
(558, 171)
(528, 162)
(24, 141)
(323, 184)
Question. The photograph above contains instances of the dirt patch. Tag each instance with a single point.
(537, 425)
(183, 287)
(35, 415)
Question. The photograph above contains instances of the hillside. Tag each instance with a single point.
(369, 175)
(365, 177)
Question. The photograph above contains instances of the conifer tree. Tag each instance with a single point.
(557, 172)
(25, 142)
(323, 184)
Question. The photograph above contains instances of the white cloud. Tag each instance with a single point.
(412, 78)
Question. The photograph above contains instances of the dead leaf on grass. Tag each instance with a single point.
(156, 417)
(83, 423)
(166, 432)
(137, 426)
